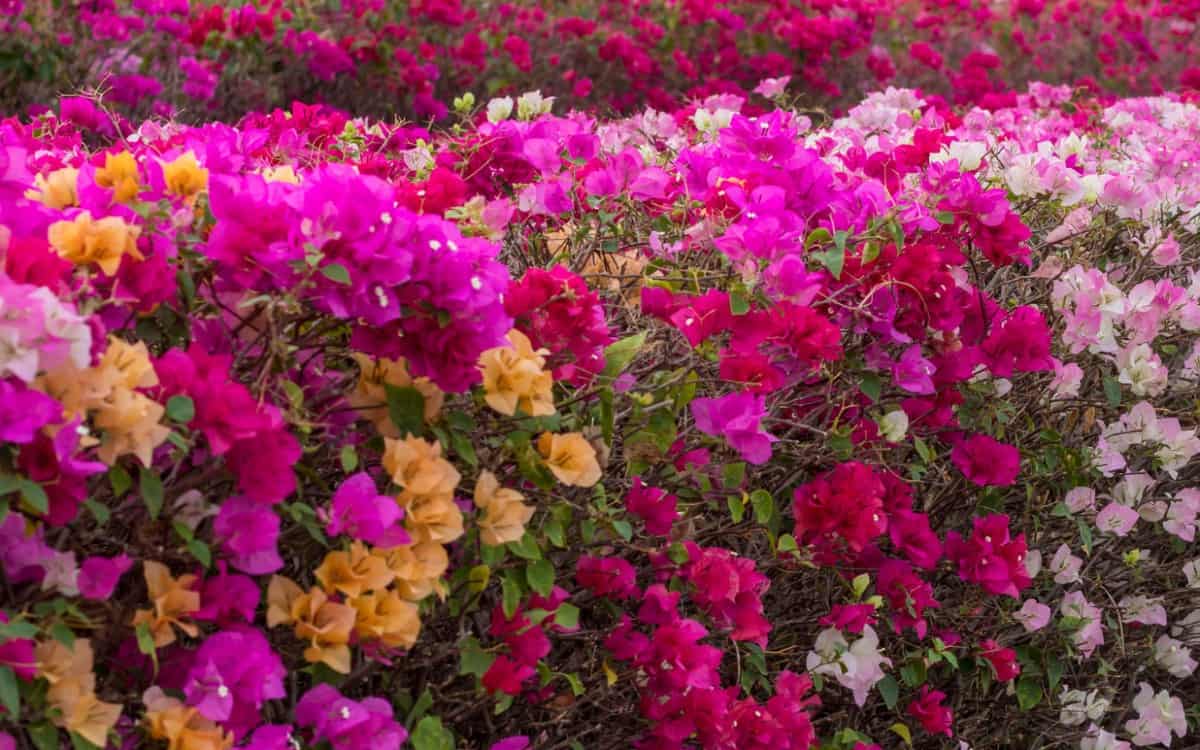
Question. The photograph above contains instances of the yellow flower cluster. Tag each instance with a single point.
(84, 241)
(570, 457)
(504, 511)
(120, 175)
(57, 190)
(72, 692)
(181, 725)
(515, 378)
(184, 176)
(174, 599)
(369, 396)
(128, 419)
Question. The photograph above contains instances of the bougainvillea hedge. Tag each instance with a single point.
(723, 423)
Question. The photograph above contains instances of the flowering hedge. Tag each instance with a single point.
(707, 428)
(200, 60)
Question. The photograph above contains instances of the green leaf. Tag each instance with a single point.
(871, 385)
(151, 488)
(431, 735)
(34, 496)
(902, 731)
(64, 635)
(120, 481)
(98, 511)
(1112, 391)
(511, 594)
(567, 616)
(732, 475)
(890, 690)
(1054, 673)
(336, 273)
(764, 506)
(418, 710)
(181, 409)
(201, 552)
(738, 303)
(575, 683)
(1029, 692)
(913, 673)
(406, 408)
(619, 354)
(473, 659)
(145, 642)
(349, 458)
(44, 736)
(10, 692)
(623, 528)
(737, 508)
(540, 575)
(526, 548)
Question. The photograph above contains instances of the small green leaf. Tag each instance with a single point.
(406, 408)
(764, 506)
(349, 458)
(336, 273)
(738, 303)
(473, 659)
(64, 635)
(10, 692)
(526, 548)
(44, 736)
(737, 508)
(575, 683)
(431, 735)
(511, 594)
(1112, 391)
(890, 690)
(902, 731)
(151, 488)
(120, 481)
(540, 575)
(871, 385)
(1029, 692)
(201, 552)
(34, 496)
(567, 616)
(181, 409)
(619, 354)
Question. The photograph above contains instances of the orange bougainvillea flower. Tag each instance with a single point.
(417, 467)
(81, 712)
(514, 378)
(369, 396)
(130, 422)
(184, 176)
(57, 662)
(119, 174)
(57, 190)
(173, 600)
(181, 725)
(417, 568)
(388, 618)
(504, 511)
(427, 483)
(325, 624)
(570, 457)
(353, 572)
(68, 669)
(84, 241)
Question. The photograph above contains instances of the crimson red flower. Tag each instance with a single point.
(986, 461)
(928, 710)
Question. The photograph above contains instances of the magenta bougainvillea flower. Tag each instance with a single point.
(990, 557)
(738, 418)
(986, 461)
(358, 510)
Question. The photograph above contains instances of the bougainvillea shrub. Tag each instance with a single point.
(710, 426)
(199, 60)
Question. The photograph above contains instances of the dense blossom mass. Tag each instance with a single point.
(716, 421)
